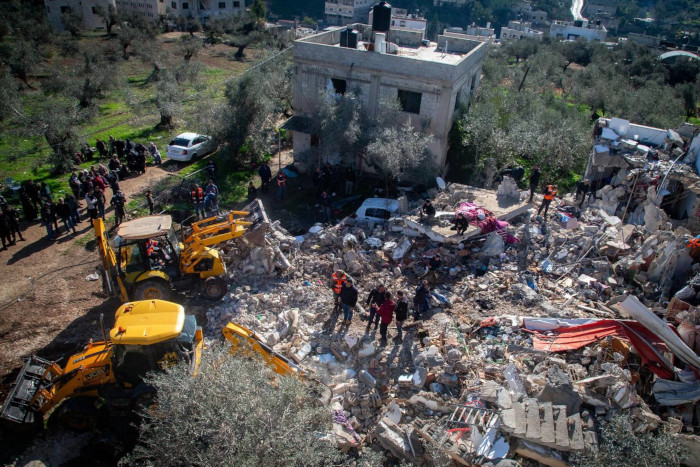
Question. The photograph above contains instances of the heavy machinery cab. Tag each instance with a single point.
(149, 335)
(152, 335)
(148, 248)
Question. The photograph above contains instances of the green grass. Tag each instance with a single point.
(23, 158)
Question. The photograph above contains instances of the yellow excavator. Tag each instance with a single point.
(148, 335)
(146, 260)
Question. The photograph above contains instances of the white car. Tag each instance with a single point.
(189, 147)
(377, 210)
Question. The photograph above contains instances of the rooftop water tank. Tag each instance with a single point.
(381, 17)
(349, 38)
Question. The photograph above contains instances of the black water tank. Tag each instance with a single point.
(344, 37)
(381, 17)
(578, 23)
(353, 39)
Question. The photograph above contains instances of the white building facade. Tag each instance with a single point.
(87, 9)
(570, 31)
(520, 30)
(344, 12)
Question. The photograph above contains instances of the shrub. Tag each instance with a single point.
(233, 412)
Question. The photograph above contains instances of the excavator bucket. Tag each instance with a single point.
(31, 379)
(256, 213)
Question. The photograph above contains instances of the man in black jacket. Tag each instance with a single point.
(401, 313)
(534, 180)
(66, 214)
(374, 301)
(348, 299)
(421, 300)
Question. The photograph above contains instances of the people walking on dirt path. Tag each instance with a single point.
(421, 300)
(91, 204)
(197, 196)
(534, 181)
(119, 203)
(72, 202)
(375, 299)
(33, 194)
(48, 219)
(13, 221)
(386, 312)
(44, 191)
(63, 211)
(155, 153)
(265, 175)
(150, 201)
(549, 193)
(401, 313)
(5, 231)
(28, 209)
(75, 184)
(348, 298)
(101, 203)
(338, 278)
(281, 184)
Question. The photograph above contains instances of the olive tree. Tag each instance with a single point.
(234, 411)
(397, 150)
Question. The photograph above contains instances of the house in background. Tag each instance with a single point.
(152, 10)
(520, 30)
(428, 81)
(55, 9)
(344, 12)
(568, 30)
(400, 18)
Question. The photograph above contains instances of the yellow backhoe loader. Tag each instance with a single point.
(147, 336)
(147, 260)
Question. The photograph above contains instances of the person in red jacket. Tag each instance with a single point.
(386, 311)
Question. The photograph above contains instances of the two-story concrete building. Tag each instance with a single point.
(429, 82)
(344, 12)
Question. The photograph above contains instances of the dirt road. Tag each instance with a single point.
(45, 300)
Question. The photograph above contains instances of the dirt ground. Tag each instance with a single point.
(46, 304)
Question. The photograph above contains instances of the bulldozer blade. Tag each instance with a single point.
(256, 213)
(17, 407)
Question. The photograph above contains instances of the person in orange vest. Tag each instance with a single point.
(693, 245)
(338, 279)
(549, 193)
(198, 201)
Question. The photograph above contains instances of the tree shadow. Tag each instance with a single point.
(29, 249)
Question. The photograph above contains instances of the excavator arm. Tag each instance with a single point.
(244, 340)
(113, 284)
(208, 232)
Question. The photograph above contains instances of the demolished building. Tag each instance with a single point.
(528, 345)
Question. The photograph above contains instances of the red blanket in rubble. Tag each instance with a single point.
(488, 222)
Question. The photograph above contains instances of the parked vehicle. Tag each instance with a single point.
(377, 210)
(187, 147)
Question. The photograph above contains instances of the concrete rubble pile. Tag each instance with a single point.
(490, 373)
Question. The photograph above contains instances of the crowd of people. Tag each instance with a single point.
(122, 159)
(382, 305)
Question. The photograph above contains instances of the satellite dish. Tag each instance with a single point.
(441, 183)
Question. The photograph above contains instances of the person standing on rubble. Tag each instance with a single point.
(534, 180)
(433, 268)
(375, 299)
(421, 301)
(583, 189)
(401, 314)
(386, 312)
(198, 201)
(337, 280)
(348, 298)
(427, 211)
(549, 193)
